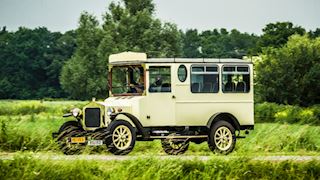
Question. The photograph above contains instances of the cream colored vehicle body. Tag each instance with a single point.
(181, 107)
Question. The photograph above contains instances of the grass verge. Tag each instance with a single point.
(26, 167)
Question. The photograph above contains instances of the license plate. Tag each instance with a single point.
(95, 142)
(78, 139)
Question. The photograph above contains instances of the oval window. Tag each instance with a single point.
(182, 73)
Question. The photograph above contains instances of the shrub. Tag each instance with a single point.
(272, 112)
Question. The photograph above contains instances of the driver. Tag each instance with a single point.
(138, 87)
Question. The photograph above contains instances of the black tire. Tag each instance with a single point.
(68, 124)
(222, 138)
(66, 131)
(174, 146)
(126, 140)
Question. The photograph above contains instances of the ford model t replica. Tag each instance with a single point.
(176, 100)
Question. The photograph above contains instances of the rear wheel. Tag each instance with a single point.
(120, 137)
(174, 146)
(66, 131)
(222, 137)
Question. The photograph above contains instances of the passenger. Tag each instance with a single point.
(156, 86)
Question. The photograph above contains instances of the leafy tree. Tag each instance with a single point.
(85, 75)
(31, 62)
(128, 26)
(218, 44)
(290, 74)
(191, 44)
(132, 27)
(315, 33)
(277, 34)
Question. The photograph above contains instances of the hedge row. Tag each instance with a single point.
(271, 112)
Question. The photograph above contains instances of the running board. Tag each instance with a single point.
(184, 137)
(179, 137)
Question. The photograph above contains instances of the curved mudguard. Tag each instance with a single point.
(135, 121)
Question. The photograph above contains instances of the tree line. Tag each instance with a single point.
(37, 63)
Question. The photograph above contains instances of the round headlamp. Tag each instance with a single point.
(110, 111)
(75, 112)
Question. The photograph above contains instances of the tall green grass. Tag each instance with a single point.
(23, 107)
(25, 167)
(22, 131)
(33, 132)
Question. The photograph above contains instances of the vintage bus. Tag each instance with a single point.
(176, 100)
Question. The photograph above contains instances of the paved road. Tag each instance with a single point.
(43, 156)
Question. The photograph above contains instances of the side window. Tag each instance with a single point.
(236, 79)
(204, 79)
(160, 79)
(182, 73)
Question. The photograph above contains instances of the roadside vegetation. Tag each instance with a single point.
(25, 167)
(28, 125)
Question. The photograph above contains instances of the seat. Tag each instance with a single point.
(207, 87)
(195, 87)
(153, 88)
(241, 87)
(166, 87)
(229, 86)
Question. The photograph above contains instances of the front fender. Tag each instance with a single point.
(134, 120)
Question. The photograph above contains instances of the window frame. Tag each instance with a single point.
(168, 66)
(186, 74)
(110, 81)
(236, 72)
(205, 73)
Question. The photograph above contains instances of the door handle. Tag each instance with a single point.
(173, 96)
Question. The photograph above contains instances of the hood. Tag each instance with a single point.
(126, 103)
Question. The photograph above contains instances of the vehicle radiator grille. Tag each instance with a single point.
(92, 117)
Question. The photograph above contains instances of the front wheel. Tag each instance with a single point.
(222, 137)
(66, 132)
(120, 138)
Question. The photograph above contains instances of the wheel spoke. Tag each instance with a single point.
(117, 132)
(219, 132)
(118, 142)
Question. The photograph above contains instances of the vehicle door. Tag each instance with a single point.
(160, 100)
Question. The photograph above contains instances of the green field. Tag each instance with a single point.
(26, 126)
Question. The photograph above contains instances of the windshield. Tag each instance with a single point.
(127, 80)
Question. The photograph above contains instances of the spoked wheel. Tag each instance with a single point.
(120, 138)
(67, 131)
(222, 137)
(174, 146)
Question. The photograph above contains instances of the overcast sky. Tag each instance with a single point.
(245, 15)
